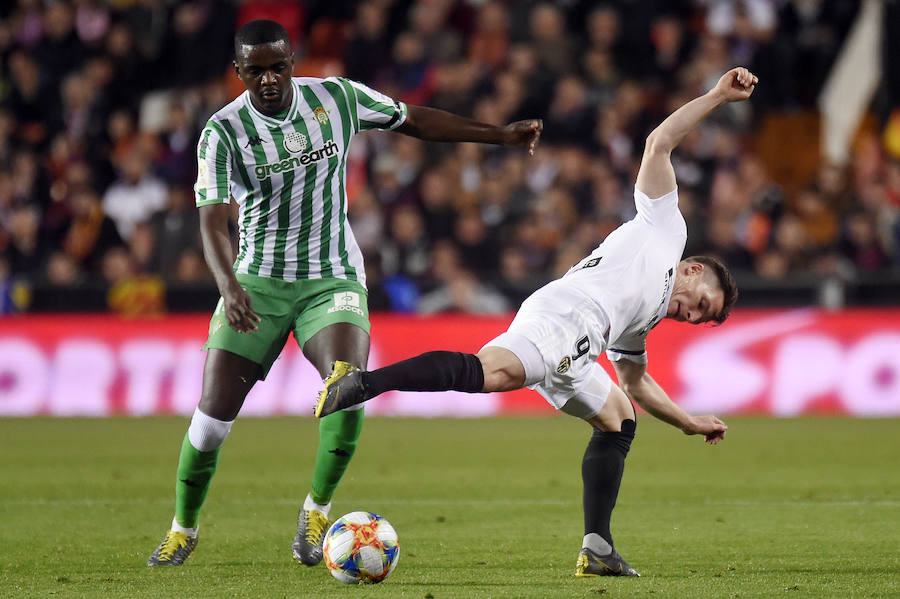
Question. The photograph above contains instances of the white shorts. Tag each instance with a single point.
(548, 344)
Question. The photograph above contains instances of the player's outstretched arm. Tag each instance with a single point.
(656, 176)
(438, 125)
(640, 386)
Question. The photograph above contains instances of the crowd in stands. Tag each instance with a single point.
(101, 104)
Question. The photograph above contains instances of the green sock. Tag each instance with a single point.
(195, 471)
(338, 434)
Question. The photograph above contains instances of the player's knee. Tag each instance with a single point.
(206, 433)
(619, 439)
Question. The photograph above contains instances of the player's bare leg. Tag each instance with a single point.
(601, 472)
(347, 346)
(227, 378)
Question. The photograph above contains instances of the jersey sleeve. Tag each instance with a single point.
(374, 110)
(213, 168)
(660, 213)
(628, 348)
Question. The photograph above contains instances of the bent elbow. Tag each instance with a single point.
(657, 143)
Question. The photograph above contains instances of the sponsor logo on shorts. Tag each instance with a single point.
(346, 301)
(564, 365)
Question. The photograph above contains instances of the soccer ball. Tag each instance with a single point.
(361, 548)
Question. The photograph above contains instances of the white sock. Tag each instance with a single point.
(309, 504)
(596, 543)
(206, 433)
(191, 532)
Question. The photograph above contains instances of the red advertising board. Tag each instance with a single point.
(768, 362)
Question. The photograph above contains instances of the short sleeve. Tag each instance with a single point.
(213, 168)
(630, 348)
(661, 213)
(375, 110)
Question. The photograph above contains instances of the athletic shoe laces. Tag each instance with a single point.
(315, 526)
(174, 541)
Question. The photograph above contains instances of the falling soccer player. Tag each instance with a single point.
(609, 301)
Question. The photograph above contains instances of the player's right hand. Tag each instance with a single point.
(524, 134)
(239, 310)
(736, 85)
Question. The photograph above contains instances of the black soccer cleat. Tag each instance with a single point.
(343, 388)
(592, 564)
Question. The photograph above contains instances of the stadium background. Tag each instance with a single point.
(106, 296)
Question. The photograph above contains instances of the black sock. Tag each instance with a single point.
(431, 371)
(601, 473)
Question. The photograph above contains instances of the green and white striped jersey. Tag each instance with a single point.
(287, 176)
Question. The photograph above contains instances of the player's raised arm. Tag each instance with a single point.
(438, 125)
(656, 176)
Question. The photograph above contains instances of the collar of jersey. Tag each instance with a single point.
(295, 101)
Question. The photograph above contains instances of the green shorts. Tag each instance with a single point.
(304, 307)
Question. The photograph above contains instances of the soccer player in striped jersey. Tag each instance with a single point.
(609, 301)
(279, 152)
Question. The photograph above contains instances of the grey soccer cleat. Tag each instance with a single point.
(592, 564)
(174, 549)
(343, 388)
(311, 528)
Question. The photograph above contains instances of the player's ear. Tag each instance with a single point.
(237, 69)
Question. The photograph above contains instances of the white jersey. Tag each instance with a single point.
(624, 286)
(287, 176)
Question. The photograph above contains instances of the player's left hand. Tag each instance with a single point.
(524, 134)
(712, 429)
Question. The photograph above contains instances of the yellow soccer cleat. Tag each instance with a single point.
(343, 388)
(591, 564)
(174, 549)
(311, 528)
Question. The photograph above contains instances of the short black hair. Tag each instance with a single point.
(726, 282)
(261, 31)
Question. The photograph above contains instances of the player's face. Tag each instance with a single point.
(697, 296)
(265, 70)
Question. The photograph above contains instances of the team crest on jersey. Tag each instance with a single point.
(295, 142)
(321, 115)
(564, 365)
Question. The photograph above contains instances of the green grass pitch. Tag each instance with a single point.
(484, 508)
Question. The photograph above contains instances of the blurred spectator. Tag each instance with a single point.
(26, 249)
(14, 295)
(368, 43)
(60, 51)
(463, 293)
(131, 294)
(458, 290)
(190, 268)
(860, 243)
(63, 270)
(137, 194)
(489, 43)
(90, 234)
(554, 48)
(406, 252)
